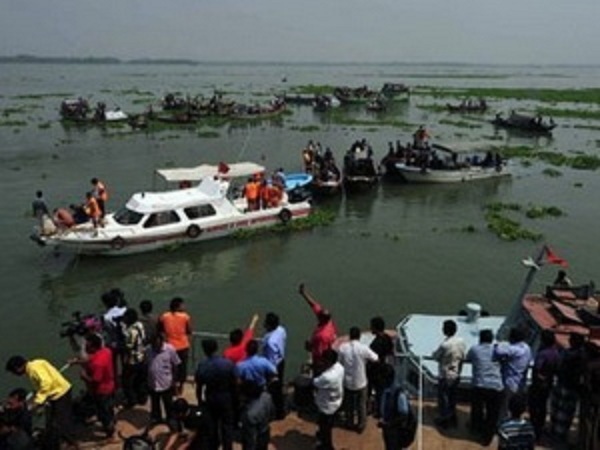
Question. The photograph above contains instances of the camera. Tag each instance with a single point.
(81, 325)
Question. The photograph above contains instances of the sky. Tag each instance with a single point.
(362, 31)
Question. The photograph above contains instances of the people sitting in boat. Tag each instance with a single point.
(62, 218)
(271, 194)
(279, 178)
(562, 280)
(92, 209)
(78, 213)
(488, 160)
(185, 184)
(328, 155)
(482, 104)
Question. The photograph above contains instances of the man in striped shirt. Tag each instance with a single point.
(516, 433)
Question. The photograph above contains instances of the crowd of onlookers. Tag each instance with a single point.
(568, 380)
(131, 356)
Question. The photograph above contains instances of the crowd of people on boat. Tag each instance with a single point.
(320, 164)
(562, 381)
(420, 153)
(358, 159)
(62, 218)
(263, 192)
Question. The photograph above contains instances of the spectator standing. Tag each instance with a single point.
(149, 320)
(98, 373)
(514, 358)
(450, 356)
(589, 415)
(383, 345)
(566, 394)
(256, 417)
(486, 393)
(274, 343)
(516, 433)
(134, 360)
(238, 339)
(329, 394)
(176, 325)
(256, 368)
(397, 421)
(216, 389)
(324, 334)
(354, 356)
(545, 366)
(162, 368)
(52, 388)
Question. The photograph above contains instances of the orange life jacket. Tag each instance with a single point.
(252, 190)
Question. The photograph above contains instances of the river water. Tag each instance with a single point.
(395, 250)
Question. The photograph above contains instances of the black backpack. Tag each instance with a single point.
(405, 424)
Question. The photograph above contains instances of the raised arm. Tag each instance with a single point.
(253, 322)
(314, 305)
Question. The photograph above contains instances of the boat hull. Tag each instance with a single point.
(414, 174)
(116, 241)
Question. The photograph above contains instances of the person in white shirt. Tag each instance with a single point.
(329, 394)
(354, 355)
(450, 356)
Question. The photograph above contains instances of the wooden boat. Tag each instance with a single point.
(414, 174)
(299, 99)
(465, 108)
(525, 123)
(429, 168)
(259, 112)
(154, 220)
(359, 172)
(324, 103)
(395, 91)
(348, 95)
(378, 104)
(77, 110)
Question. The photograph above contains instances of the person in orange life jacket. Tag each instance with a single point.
(251, 192)
(100, 194)
(92, 209)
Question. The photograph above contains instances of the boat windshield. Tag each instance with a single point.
(125, 216)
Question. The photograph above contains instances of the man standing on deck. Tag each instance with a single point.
(450, 356)
(100, 194)
(52, 388)
(324, 334)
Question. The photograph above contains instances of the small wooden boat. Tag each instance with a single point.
(359, 172)
(259, 112)
(521, 122)
(324, 103)
(466, 108)
(360, 95)
(395, 91)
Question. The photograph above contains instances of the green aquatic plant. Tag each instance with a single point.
(208, 134)
(588, 95)
(12, 123)
(552, 173)
(538, 212)
(500, 206)
(508, 229)
(306, 128)
(41, 96)
(316, 218)
(459, 123)
(516, 151)
(44, 125)
(584, 162)
(317, 89)
(569, 113)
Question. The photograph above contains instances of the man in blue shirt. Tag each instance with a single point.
(274, 342)
(514, 357)
(487, 387)
(215, 387)
(255, 368)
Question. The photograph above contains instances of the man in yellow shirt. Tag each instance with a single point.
(51, 388)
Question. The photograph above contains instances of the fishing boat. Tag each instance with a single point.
(77, 110)
(427, 167)
(359, 95)
(324, 103)
(359, 172)
(526, 123)
(468, 107)
(396, 91)
(154, 220)
(561, 310)
(258, 112)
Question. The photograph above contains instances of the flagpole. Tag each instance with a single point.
(515, 311)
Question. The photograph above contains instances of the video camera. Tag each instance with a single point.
(81, 325)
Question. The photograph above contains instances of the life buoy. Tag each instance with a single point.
(117, 243)
(285, 215)
(193, 231)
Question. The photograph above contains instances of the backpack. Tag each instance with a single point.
(404, 424)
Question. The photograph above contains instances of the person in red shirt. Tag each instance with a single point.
(323, 335)
(99, 375)
(236, 351)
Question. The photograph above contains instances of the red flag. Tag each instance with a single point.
(553, 258)
(223, 168)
